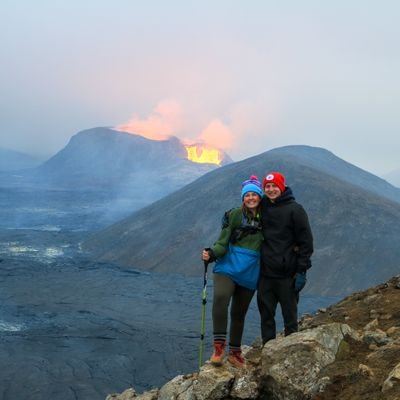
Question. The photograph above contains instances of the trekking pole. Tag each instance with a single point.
(203, 311)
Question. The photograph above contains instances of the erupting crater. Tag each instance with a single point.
(204, 154)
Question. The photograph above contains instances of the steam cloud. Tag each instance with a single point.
(167, 119)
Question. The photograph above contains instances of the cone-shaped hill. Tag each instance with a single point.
(104, 156)
(356, 231)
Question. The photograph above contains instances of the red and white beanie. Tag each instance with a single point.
(277, 178)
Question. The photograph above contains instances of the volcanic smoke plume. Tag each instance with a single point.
(167, 120)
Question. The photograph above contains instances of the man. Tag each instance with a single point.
(285, 255)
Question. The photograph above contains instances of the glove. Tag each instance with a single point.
(300, 280)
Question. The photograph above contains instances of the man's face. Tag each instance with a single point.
(272, 191)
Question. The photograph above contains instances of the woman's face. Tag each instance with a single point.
(251, 200)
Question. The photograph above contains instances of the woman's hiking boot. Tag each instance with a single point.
(217, 357)
(235, 358)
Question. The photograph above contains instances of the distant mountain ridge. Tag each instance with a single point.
(356, 231)
(393, 177)
(326, 161)
(11, 160)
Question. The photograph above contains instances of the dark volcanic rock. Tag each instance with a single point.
(76, 330)
(356, 231)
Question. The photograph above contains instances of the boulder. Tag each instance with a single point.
(290, 366)
(392, 379)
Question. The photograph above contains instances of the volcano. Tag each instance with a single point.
(129, 171)
(103, 156)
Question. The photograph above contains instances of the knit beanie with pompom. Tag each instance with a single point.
(251, 185)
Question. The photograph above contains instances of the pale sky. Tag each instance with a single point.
(254, 74)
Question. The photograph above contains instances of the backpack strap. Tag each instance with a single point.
(248, 226)
(225, 219)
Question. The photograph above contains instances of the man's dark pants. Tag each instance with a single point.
(271, 292)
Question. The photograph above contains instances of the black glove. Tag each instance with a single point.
(300, 280)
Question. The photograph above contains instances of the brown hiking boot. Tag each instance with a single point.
(236, 359)
(217, 357)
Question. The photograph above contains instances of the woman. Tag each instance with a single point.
(236, 272)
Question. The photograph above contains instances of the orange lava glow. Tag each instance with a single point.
(203, 155)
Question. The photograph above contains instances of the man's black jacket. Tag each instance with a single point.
(288, 240)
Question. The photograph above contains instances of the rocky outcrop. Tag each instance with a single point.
(393, 379)
(291, 366)
(349, 351)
